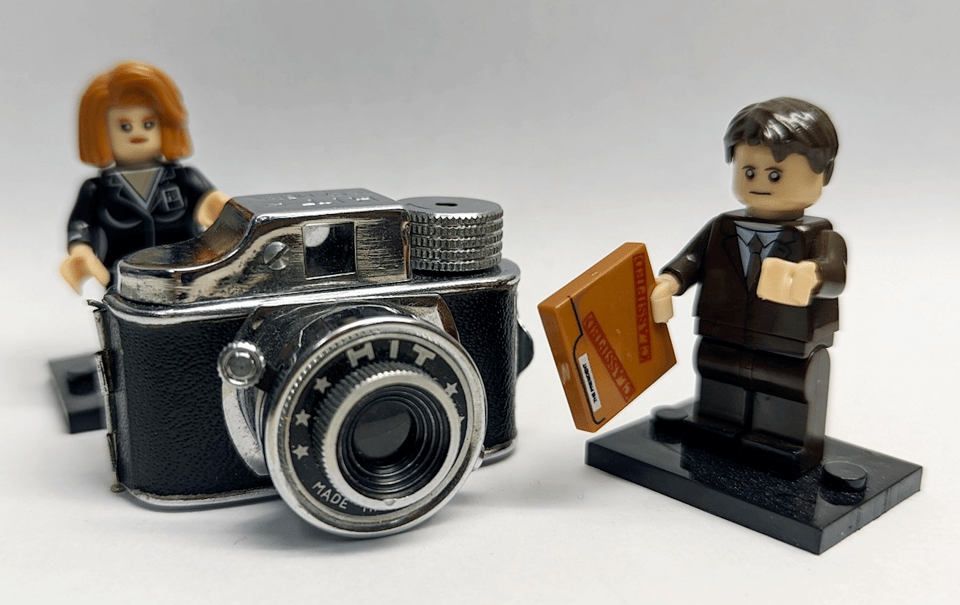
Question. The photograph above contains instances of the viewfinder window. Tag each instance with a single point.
(329, 249)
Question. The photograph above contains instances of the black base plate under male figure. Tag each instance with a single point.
(77, 385)
(813, 512)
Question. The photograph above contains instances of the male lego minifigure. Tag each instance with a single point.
(133, 126)
(769, 280)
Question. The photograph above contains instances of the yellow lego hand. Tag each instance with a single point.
(82, 263)
(209, 208)
(661, 299)
(788, 283)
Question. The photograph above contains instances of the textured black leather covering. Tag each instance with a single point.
(165, 404)
(171, 439)
(487, 323)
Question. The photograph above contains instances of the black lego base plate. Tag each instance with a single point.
(77, 385)
(800, 512)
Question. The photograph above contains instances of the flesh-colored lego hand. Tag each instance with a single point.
(661, 299)
(788, 283)
(82, 263)
(209, 207)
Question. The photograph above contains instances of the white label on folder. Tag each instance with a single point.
(588, 382)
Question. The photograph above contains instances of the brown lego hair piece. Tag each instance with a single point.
(127, 84)
(786, 126)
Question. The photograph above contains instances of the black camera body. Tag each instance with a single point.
(354, 354)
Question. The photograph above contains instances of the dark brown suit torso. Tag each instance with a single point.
(728, 307)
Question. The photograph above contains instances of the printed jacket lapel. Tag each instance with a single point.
(122, 193)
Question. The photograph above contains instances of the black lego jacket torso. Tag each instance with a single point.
(115, 220)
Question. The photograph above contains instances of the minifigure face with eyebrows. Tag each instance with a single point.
(774, 189)
(134, 135)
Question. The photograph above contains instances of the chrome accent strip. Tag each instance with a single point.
(187, 502)
(495, 454)
(506, 275)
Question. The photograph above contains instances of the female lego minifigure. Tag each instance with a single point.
(132, 125)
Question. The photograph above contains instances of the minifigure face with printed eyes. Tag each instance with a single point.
(134, 135)
(774, 189)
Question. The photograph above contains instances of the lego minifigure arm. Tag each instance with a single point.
(681, 273)
(82, 260)
(831, 257)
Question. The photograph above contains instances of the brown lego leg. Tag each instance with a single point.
(724, 407)
(789, 413)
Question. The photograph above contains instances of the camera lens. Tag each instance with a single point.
(383, 433)
(377, 426)
(395, 441)
(382, 429)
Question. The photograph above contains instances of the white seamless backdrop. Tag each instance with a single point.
(592, 124)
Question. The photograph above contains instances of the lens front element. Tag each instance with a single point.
(382, 430)
(384, 435)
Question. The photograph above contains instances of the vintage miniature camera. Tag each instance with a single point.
(354, 354)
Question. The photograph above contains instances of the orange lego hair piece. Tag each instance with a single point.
(606, 346)
(128, 84)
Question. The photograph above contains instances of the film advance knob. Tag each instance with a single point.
(454, 235)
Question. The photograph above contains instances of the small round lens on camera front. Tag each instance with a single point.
(382, 430)
(384, 433)
(397, 437)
